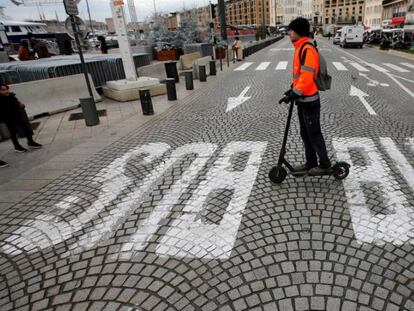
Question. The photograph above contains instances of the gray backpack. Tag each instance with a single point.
(323, 80)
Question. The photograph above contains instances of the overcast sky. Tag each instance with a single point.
(99, 8)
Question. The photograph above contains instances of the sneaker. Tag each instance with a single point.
(34, 145)
(20, 149)
(316, 171)
(3, 164)
(304, 168)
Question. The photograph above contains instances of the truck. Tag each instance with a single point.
(352, 36)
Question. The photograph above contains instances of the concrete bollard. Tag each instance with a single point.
(202, 73)
(90, 114)
(213, 70)
(189, 82)
(171, 90)
(171, 71)
(146, 102)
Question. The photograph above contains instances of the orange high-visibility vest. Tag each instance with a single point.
(304, 76)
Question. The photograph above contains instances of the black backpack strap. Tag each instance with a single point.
(302, 56)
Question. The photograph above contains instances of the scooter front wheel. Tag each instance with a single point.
(341, 170)
(277, 174)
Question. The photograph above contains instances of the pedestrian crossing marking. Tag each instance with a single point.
(339, 66)
(281, 66)
(408, 65)
(380, 69)
(281, 49)
(395, 67)
(243, 66)
(263, 66)
(359, 67)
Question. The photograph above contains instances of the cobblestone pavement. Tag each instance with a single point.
(180, 215)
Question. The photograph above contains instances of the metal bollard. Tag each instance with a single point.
(221, 64)
(228, 58)
(146, 102)
(213, 70)
(189, 83)
(202, 73)
(171, 90)
(90, 114)
(171, 71)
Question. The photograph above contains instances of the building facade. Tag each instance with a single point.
(291, 10)
(373, 14)
(317, 10)
(110, 25)
(395, 10)
(279, 12)
(246, 12)
(343, 11)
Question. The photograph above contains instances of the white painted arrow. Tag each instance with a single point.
(234, 102)
(360, 94)
(372, 82)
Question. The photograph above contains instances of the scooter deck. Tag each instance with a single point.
(304, 174)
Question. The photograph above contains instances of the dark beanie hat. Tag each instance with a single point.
(301, 26)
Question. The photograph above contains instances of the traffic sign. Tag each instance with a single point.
(71, 7)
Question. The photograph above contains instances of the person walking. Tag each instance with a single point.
(237, 48)
(13, 114)
(103, 45)
(304, 92)
(329, 36)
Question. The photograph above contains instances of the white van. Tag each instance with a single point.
(352, 36)
(337, 38)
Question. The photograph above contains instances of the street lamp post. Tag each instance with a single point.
(263, 14)
(90, 19)
(223, 23)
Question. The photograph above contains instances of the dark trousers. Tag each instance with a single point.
(20, 124)
(310, 131)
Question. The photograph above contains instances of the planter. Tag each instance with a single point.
(167, 55)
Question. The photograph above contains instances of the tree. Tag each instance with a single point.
(260, 32)
(187, 32)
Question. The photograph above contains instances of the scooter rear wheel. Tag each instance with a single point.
(341, 170)
(277, 174)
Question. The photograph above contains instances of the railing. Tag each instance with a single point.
(247, 51)
(102, 68)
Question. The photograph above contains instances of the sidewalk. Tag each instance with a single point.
(66, 143)
(392, 52)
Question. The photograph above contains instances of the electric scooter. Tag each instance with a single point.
(277, 174)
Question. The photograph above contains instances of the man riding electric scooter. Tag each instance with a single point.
(310, 75)
(304, 92)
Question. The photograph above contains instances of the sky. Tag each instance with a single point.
(99, 8)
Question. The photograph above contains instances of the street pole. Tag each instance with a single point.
(263, 17)
(90, 19)
(78, 44)
(212, 30)
(223, 24)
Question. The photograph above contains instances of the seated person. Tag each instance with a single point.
(13, 114)
(24, 52)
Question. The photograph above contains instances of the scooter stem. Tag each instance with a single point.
(283, 149)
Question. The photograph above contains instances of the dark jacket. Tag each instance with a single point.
(10, 109)
(13, 115)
